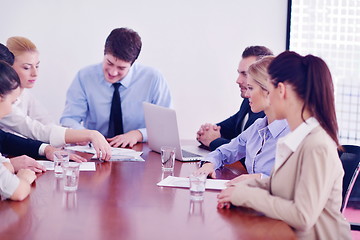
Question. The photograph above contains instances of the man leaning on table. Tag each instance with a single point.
(215, 135)
(108, 96)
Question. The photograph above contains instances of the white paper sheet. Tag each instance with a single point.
(84, 148)
(171, 181)
(117, 154)
(49, 165)
(85, 166)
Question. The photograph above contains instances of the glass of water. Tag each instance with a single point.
(60, 157)
(167, 158)
(197, 186)
(71, 176)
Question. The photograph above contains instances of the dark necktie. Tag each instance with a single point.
(115, 122)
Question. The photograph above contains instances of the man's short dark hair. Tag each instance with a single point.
(6, 55)
(124, 44)
(256, 51)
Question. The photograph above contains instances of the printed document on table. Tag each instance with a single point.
(117, 154)
(171, 181)
(84, 166)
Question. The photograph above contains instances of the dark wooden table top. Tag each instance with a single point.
(122, 201)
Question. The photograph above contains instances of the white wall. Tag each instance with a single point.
(196, 44)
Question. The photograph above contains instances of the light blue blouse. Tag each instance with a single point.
(257, 144)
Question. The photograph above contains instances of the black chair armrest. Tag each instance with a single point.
(355, 226)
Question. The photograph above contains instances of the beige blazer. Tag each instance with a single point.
(305, 191)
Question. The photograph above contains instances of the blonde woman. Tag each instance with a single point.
(257, 143)
(27, 117)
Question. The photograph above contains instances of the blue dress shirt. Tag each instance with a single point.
(88, 99)
(257, 144)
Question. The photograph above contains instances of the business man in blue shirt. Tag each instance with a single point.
(215, 135)
(108, 96)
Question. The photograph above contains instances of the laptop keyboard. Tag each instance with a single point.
(187, 154)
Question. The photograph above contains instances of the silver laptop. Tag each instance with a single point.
(162, 130)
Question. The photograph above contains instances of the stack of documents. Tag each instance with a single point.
(117, 154)
(171, 181)
(84, 166)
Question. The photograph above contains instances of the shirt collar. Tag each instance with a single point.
(288, 144)
(126, 81)
(275, 128)
(293, 139)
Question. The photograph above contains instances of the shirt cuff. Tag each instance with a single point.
(42, 149)
(57, 136)
(144, 134)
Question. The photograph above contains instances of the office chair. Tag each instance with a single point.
(350, 159)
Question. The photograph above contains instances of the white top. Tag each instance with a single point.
(29, 119)
(8, 181)
(33, 108)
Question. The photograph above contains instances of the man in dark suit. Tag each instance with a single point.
(213, 136)
(14, 145)
(25, 150)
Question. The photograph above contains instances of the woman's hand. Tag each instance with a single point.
(27, 175)
(102, 147)
(208, 169)
(224, 198)
(25, 162)
(243, 177)
(49, 154)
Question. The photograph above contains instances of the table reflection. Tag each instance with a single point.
(69, 200)
(196, 212)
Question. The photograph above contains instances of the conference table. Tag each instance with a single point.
(120, 200)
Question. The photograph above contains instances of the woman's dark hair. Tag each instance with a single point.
(311, 79)
(9, 80)
(124, 44)
(6, 55)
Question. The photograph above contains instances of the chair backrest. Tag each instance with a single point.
(350, 158)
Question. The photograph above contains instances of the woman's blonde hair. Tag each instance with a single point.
(259, 71)
(19, 45)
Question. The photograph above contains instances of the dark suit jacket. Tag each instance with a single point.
(14, 145)
(231, 127)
